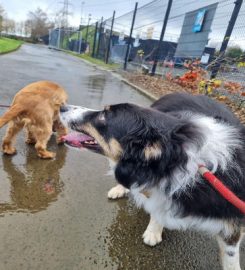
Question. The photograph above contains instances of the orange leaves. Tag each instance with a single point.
(222, 98)
(190, 76)
(156, 85)
(233, 87)
(159, 87)
(191, 79)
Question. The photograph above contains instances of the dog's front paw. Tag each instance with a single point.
(118, 191)
(46, 155)
(152, 238)
(9, 150)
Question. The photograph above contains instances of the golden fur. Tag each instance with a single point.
(35, 108)
(153, 151)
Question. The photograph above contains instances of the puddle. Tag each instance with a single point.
(32, 184)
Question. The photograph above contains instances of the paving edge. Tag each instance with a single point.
(140, 89)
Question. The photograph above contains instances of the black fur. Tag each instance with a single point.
(198, 104)
(135, 128)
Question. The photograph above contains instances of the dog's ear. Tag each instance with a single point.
(148, 159)
(187, 133)
(141, 157)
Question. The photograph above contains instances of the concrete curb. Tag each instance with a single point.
(140, 89)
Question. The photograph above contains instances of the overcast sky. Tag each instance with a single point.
(18, 9)
(150, 16)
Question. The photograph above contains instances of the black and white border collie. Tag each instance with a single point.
(156, 152)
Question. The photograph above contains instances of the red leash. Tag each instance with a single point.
(222, 189)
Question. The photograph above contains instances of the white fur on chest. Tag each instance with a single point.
(165, 212)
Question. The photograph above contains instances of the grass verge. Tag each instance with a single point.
(95, 61)
(9, 45)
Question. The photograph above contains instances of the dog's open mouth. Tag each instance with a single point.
(80, 140)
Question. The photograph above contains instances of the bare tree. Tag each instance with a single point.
(38, 23)
(2, 14)
(8, 26)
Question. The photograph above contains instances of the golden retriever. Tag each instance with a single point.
(36, 108)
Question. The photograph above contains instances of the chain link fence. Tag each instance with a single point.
(175, 48)
(195, 34)
(193, 45)
(74, 40)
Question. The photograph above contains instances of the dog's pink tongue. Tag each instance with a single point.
(76, 139)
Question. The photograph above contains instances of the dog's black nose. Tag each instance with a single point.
(64, 109)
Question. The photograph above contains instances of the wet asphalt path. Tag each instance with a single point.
(55, 214)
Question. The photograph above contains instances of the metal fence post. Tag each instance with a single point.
(100, 31)
(109, 41)
(226, 39)
(80, 41)
(130, 37)
(49, 36)
(95, 36)
(165, 22)
(86, 35)
(59, 34)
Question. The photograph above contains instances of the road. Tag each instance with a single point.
(74, 226)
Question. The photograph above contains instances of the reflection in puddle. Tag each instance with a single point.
(178, 250)
(96, 85)
(34, 185)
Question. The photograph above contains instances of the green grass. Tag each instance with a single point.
(95, 61)
(9, 45)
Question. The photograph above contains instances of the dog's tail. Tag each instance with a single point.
(12, 112)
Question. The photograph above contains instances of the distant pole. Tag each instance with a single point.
(80, 28)
(100, 32)
(130, 37)
(49, 36)
(86, 36)
(95, 36)
(80, 42)
(109, 41)
(1, 22)
(59, 34)
(165, 22)
(226, 39)
(81, 20)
